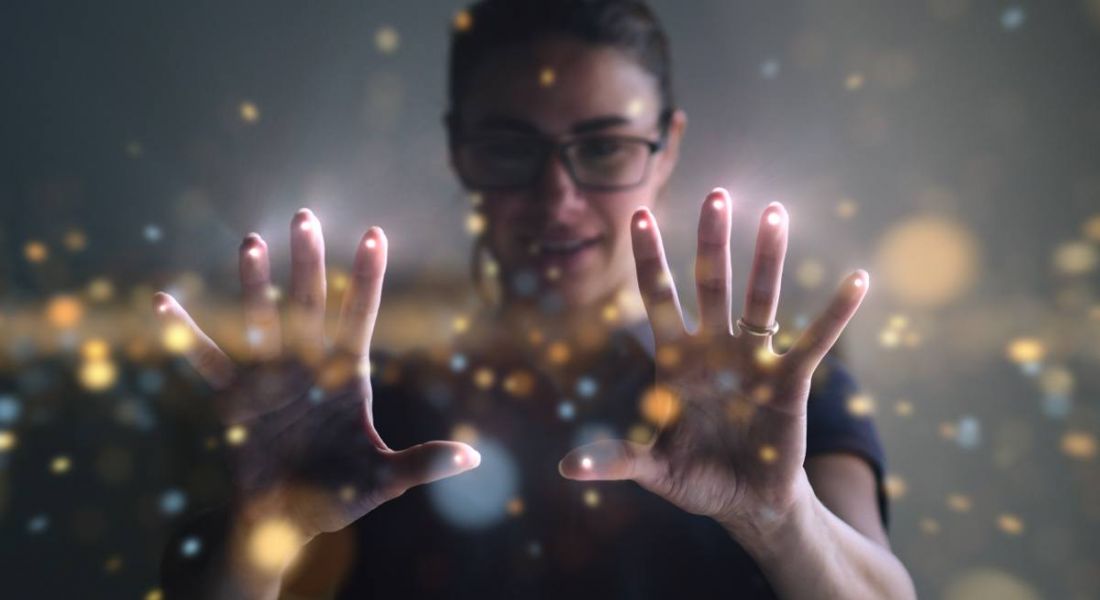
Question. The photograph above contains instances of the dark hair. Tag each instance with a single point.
(488, 26)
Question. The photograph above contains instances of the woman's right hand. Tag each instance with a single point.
(305, 455)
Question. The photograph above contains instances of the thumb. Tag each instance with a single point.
(432, 461)
(608, 460)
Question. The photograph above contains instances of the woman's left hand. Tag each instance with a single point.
(732, 438)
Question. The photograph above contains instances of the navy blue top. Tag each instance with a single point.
(514, 528)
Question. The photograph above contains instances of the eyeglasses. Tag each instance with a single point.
(598, 162)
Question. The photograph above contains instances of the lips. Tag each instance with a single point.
(563, 247)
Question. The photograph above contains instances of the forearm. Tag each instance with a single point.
(812, 553)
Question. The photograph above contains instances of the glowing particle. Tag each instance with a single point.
(566, 410)
(1079, 445)
(558, 353)
(177, 338)
(853, 82)
(515, 507)
(1076, 258)
(64, 311)
(475, 223)
(1025, 350)
(591, 498)
(768, 454)
(273, 545)
(889, 338)
(458, 363)
(484, 378)
(190, 546)
(36, 252)
(172, 502)
(660, 405)
(1091, 227)
(968, 432)
(904, 408)
(810, 274)
(61, 465)
(94, 349)
(460, 324)
(1012, 18)
(10, 409)
(553, 273)
(249, 112)
(774, 218)
(928, 261)
(1057, 381)
(765, 357)
(113, 563)
(929, 526)
(75, 240)
(847, 208)
(635, 107)
(769, 69)
(519, 383)
(668, 356)
(896, 487)
(387, 40)
(236, 435)
(154, 594)
(547, 77)
(586, 387)
(959, 502)
(586, 463)
(463, 21)
(465, 433)
(861, 405)
(98, 375)
(152, 233)
(100, 290)
(133, 149)
(1010, 524)
(7, 441)
(610, 313)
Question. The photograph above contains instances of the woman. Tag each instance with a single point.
(749, 484)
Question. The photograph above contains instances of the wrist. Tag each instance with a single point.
(767, 531)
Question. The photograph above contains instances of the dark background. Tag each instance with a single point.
(949, 146)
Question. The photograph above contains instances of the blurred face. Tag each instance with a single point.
(553, 236)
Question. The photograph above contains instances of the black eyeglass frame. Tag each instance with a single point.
(561, 150)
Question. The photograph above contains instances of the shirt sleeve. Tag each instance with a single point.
(833, 425)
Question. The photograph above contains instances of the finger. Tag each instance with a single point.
(261, 317)
(655, 280)
(182, 335)
(364, 295)
(609, 460)
(823, 332)
(307, 286)
(428, 462)
(762, 294)
(712, 263)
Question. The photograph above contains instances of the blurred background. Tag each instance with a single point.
(948, 146)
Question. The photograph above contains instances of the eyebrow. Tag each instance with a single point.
(501, 122)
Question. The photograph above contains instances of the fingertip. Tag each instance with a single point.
(304, 220)
(642, 218)
(775, 214)
(162, 302)
(861, 279)
(718, 198)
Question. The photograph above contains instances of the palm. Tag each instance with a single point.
(732, 433)
(299, 420)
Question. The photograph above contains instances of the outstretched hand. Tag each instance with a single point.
(732, 438)
(298, 417)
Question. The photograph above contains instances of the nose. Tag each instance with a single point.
(555, 189)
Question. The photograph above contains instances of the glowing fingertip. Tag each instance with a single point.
(371, 243)
(774, 218)
(163, 307)
(586, 463)
(254, 252)
(459, 458)
(718, 204)
(305, 225)
(643, 223)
